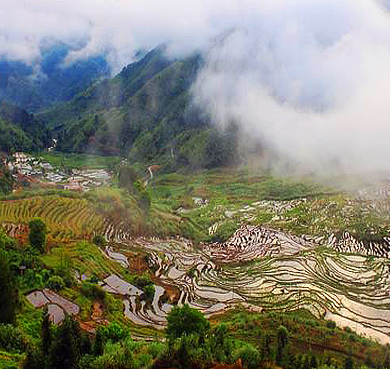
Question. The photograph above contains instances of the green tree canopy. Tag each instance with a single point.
(66, 347)
(37, 235)
(186, 320)
(5, 241)
(8, 291)
(127, 176)
(282, 336)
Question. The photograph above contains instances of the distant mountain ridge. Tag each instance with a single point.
(144, 113)
(48, 82)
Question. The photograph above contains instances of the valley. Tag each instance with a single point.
(217, 240)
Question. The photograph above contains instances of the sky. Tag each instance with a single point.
(310, 78)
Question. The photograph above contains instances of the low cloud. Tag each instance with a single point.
(310, 78)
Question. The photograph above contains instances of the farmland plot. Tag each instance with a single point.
(281, 273)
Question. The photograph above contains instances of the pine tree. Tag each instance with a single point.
(34, 360)
(86, 347)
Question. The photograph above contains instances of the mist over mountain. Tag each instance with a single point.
(48, 81)
(145, 113)
(310, 79)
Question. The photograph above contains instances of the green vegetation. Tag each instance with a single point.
(6, 180)
(144, 114)
(68, 161)
(186, 321)
(56, 283)
(113, 347)
(8, 290)
(37, 235)
(20, 131)
(204, 206)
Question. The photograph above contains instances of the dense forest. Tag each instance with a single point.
(20, 130)
(145, 114)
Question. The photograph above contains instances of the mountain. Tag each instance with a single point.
(145, 113)
(48, 82)
(20, 130)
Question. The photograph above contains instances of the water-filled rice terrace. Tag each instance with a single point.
(275, 271)
(329, 272)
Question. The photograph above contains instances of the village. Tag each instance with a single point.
(33, 172)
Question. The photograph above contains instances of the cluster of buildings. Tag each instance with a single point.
(33, 172)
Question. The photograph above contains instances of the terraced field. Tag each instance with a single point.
(278, 272)
(328, 254)
(66, 218)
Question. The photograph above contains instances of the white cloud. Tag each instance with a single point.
(310, 77)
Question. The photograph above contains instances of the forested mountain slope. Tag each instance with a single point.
(48, 81)
(145, 113)
(20, 130)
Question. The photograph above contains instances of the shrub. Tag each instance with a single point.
(141, 281)
(92, 290)
(186, 320)
(250, 357)
(114, 332)
(149, 292)
(143, 361)
(56, 283)
(37, 235)
(347, 329)
(155, 349)
(11, 339)
(99, 240)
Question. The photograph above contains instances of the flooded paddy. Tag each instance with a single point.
(57, 305)
(271, 269)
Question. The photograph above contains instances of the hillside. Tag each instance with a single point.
(256, 255)
(21, 131)
(144, 113)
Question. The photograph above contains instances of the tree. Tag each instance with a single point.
(313, 361)
(37, 235)
(66, 347)
(98, 344)
(249, 356)
(282, 342)
(145, 200)
(5, 242)
(348, 364)
(99, 240)
(185, 320)
(56, 283)
(46, 332)
(8, 291)
(127, 177)
(282, 336)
